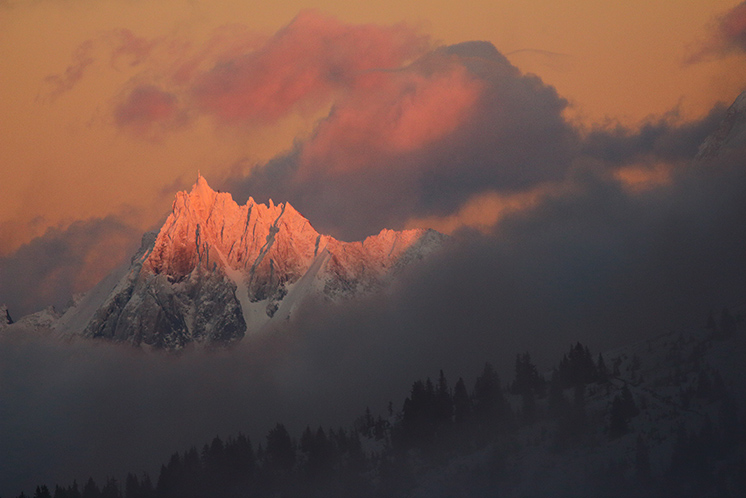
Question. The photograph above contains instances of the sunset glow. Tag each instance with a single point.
(128, 94)
(229, 217)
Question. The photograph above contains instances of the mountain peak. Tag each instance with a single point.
(199, 200)
(201, 187)
(217, 270)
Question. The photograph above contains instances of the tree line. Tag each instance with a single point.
(381, 455)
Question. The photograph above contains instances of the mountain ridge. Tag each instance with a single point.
(217, 270)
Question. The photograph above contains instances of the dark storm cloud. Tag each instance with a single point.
(664, 139)
(421, 141)
(590, 261)
(54, 266)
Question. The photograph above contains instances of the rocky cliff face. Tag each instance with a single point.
(217, 271)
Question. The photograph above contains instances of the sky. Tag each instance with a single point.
(555, 141)
(111, 107)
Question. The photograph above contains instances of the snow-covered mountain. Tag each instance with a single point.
(217, 271)
(730, 134)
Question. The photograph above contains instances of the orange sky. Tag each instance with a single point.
(62, 158)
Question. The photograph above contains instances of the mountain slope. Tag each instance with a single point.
(217, 270)
(731, 133)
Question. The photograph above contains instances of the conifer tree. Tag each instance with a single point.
(131, 486)
(110, 489)
(617, 418)
(443, 402)
(602, 371)
(91, 490)
(42, 492)
(461, 403)
(527, 377)
(630, 407)
(491, 409)
(280, 451)
(557, 403)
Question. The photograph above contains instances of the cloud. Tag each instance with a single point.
(733, 27)
(586, 260)
(130, 46)
(481, 212)
(146, 107)
(554, 60)
(239, 77)
(727, 36)
(565, 250)
(663, 139)
(303, 64)
(64, 82)
(118, 44)
(62, 262)
(420, 141)
(14, 234)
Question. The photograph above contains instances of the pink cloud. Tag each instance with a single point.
(421, 140)
(226, 43)
(302, 64)
(145, 106)
(733, 27)
(241, 77)
(727, 35)
(392, 113)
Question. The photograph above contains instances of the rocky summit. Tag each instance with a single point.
(217, 271)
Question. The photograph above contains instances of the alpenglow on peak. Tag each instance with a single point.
(217, 271)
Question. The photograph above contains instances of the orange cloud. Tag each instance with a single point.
(482, 212)
(14, 233)
(640, 178)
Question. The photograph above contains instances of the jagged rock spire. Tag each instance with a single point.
(217, 270)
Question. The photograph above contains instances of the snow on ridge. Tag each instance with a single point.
(217, 271)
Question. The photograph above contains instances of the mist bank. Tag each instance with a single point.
(593, 261)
